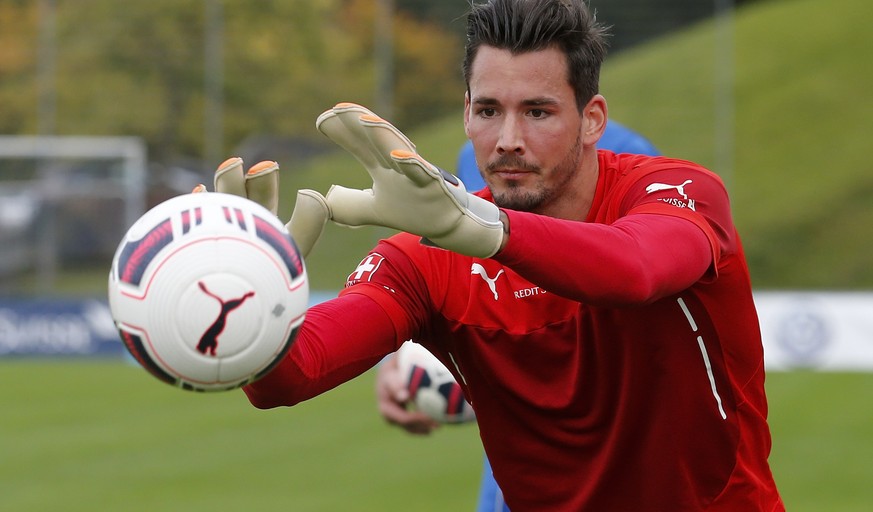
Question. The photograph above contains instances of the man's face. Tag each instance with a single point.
(522, 117)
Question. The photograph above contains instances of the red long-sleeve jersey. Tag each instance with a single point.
(614, 364)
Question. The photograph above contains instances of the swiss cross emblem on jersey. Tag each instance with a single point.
(365, 270)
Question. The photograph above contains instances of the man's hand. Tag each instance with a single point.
(408, 194)
(261, 185)
(392, 399)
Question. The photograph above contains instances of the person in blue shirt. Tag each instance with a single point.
(616, 138)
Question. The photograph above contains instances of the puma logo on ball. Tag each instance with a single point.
(209, 341)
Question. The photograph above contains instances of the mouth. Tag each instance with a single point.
(511, 173)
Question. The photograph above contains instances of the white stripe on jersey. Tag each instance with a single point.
(705, 355)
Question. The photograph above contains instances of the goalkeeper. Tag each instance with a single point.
(607, 339)
(391, 395)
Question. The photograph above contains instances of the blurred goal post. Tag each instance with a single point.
(59, 172)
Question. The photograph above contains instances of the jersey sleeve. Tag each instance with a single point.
(687, 192)
(661, 236)
(389, 277)
(383, 305)
(339, 340)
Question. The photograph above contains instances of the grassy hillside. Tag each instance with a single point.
(795, 161)
(803, 109)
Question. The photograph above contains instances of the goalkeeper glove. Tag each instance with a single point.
(261, 185)
(409, 193)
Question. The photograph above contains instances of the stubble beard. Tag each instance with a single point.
(535, 198)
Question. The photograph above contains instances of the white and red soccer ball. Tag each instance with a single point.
(208, 291)
(432, 387)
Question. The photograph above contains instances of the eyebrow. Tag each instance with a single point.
(532, 102)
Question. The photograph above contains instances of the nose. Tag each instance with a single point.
(511, 138)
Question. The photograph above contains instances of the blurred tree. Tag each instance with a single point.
(132, 69)
(18, 91)
(138, 68)
(451, 14)
(429, 83)
(287, 61)
(427, 63)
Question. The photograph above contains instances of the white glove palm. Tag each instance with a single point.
(408, 194)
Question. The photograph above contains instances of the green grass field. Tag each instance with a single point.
(104, 435)
(88, 435)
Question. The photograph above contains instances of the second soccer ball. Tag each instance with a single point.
(433, 388)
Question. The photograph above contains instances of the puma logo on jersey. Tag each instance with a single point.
(657, 187)
(479, 270)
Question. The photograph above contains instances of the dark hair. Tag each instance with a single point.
(522, 26)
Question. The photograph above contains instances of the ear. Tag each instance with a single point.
(594, 121)
(467, 114)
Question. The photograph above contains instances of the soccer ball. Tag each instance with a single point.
(208, 291)
(432, 388)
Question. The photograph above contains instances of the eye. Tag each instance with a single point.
(487, 112)
(537, 113)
